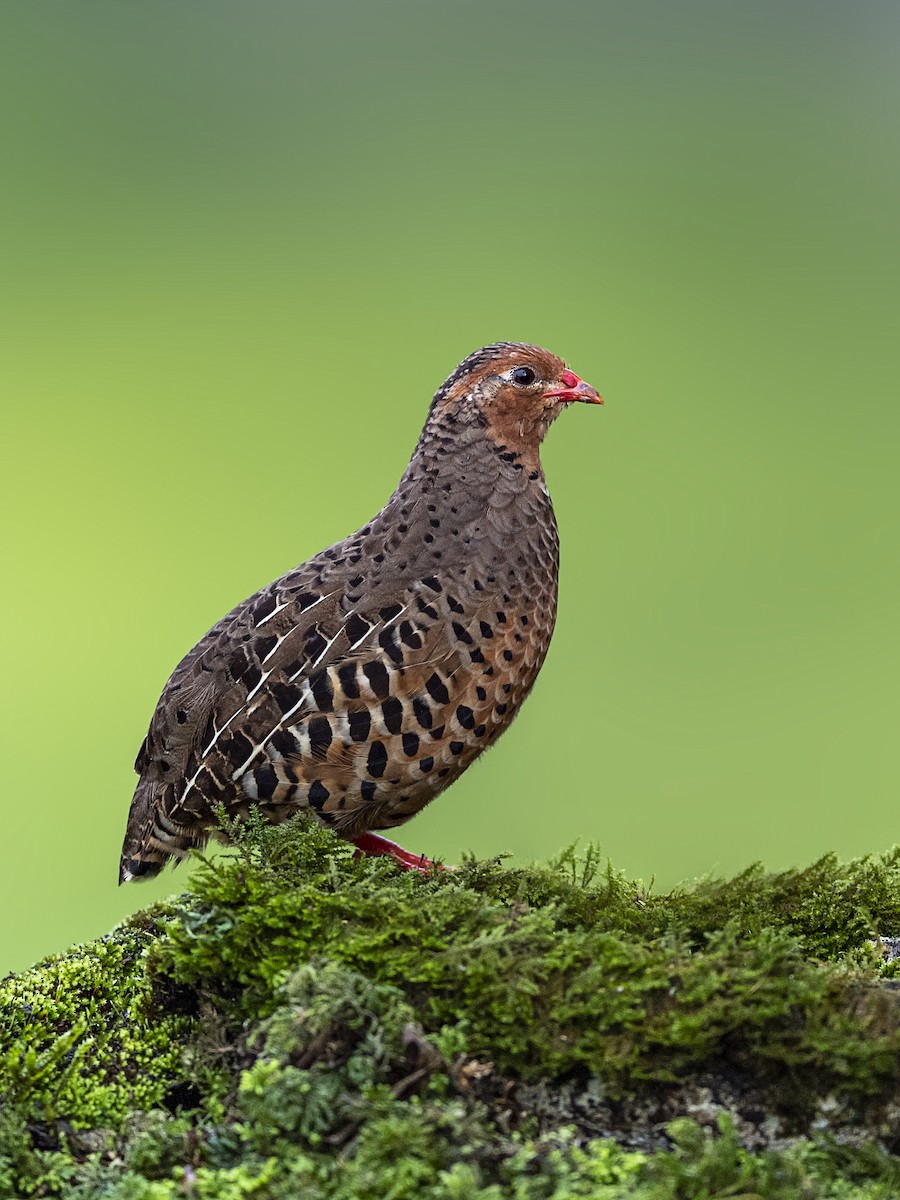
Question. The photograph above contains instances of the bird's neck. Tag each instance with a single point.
(466, 494)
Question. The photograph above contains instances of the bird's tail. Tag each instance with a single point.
(151, 839)
(140, 868)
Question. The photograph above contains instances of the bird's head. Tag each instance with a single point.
(511, 390)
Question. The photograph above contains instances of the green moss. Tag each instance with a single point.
(832, 908)
(545, 975)
(82, 1037)
(304, 1023)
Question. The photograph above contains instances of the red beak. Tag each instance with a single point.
(575, 389)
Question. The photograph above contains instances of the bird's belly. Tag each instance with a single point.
(389, 745)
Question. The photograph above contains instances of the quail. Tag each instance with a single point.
(362, 684)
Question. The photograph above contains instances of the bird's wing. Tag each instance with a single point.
(319, 655)
(310, 675)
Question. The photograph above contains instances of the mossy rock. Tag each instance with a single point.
(307, 1024)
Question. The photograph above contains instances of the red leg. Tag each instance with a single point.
(372, 843)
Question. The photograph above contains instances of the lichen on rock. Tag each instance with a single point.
(303, 1023)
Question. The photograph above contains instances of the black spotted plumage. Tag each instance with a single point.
(425, 628)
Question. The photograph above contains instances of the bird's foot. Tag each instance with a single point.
(372, 843)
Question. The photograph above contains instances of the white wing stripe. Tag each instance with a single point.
(274, 611)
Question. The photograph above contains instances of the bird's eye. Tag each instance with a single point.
(523, 376)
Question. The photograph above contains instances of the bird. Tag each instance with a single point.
(362, 684)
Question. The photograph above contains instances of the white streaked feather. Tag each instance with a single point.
(328, 646)
(305, 697)
(274, 612)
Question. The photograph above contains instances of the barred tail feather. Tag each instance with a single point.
(140, 868)
(151, 839)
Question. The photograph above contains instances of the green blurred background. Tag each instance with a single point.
(243, 243)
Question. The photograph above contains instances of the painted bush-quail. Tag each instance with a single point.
(363, 683)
